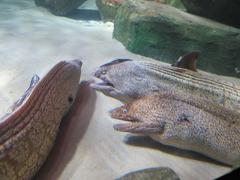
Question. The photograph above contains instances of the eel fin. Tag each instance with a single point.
(35, 79)
(116, 61)
(187, 61)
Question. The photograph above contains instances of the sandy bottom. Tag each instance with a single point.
(32, 41)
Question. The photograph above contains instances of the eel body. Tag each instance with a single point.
(127, 80)
(184, 122)
(27, 134)
(175, 105)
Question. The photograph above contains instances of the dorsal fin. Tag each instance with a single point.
(116, 61)
(35, 79)
(188, 61)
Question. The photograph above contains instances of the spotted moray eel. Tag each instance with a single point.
(27, 134)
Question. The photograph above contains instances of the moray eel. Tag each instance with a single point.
(27, 134)
(184, 122)
(175, 105)
(127, 80)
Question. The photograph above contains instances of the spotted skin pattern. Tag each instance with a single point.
(28, 133)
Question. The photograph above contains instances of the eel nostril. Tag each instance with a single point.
(97, 74)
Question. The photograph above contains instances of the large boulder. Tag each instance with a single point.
(108, 8)
(60, 7)
(225, 11)
(165, 33)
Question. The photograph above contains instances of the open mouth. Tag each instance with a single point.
(101, 84)
(104, 82)
(128, 127)
(134, 125)
(130, 124)
(139, 127)
(100, 81)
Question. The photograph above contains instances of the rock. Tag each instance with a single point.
(161, 173)
(165, 33)
(108, 8)
(225, 11)
(60, 7)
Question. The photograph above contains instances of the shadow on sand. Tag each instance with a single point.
(72, 129)
(147, 142)
(85, 14)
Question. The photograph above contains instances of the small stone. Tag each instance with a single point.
(162, 173)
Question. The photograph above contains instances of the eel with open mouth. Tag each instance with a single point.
(127, 80)
(184, 122)
(27, 134)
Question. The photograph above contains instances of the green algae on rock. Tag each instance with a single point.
(162, 173)
(165, 33)
(60, 7)
(108, 8)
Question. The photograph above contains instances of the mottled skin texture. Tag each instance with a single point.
(28, 133)
(126, 80)
(185, 122)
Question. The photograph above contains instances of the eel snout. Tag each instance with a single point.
(101, 81)
(77, 63)
(133, 124)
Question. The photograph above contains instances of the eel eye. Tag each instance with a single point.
(124, 110)
(70, 99)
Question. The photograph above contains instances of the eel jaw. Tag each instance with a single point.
(132, 127)
(104, 86)
(139, 127)
(135, 125)
(101, 82)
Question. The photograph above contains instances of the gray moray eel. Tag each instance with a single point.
(184, 122)
(200, 112)
(27, 134)
(126, 80)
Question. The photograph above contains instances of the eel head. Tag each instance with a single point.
(141, 116)
(120, 79)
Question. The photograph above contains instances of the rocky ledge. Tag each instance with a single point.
(165, 33)
(60, 7)
(108, 8)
